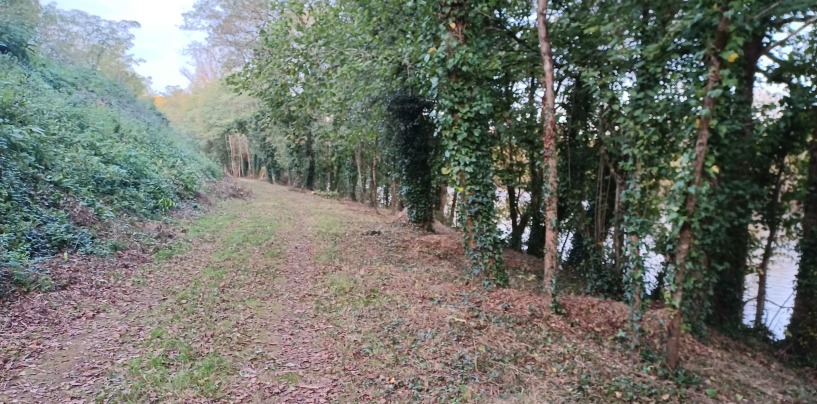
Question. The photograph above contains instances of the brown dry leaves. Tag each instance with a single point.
(303, 299)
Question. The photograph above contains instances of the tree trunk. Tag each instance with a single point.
(373, 182)
(515, 239)
(394, 196)
(536, 238)
(452, 214)
(773, 223)
(636, 266)
(637, 305)
(550, 153)
(685, 236)
(533, 212)
(727, 304)
(803, 326)
(442, 201)
(336, 185)
(359, 182)
(466, 127)
(618, 235)
(310, 169)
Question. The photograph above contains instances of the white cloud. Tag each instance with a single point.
(159, 41)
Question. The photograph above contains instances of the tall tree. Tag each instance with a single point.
(466, 107)
(232, 26)
(685, 235)
(550, 152)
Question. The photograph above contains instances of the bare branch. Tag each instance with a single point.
(770, 8)
(805, 25)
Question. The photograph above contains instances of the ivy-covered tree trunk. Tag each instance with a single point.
(414, 144)
(536, 237)
(635, 263)
(550, 153)
(732, 253)
(684, 245)
(803, 326)
(466, 103)
(534, 212)
(618, 220)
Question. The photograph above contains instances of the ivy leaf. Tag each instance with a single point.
(715, 93)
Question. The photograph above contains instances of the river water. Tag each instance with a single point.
(782, 271)
(780, 282)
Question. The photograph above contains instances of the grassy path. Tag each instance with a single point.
(238, 318)
(287, 297)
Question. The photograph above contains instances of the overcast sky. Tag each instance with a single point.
(159, 42)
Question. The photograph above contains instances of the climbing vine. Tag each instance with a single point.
(464, 123)
(414, 143)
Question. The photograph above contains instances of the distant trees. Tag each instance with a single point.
(80, 39)
(232, 28)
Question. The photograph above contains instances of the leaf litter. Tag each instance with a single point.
(281, 296)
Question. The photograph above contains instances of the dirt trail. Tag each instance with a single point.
(288, 297)
(226, 313)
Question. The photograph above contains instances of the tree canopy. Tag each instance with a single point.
(679, 128)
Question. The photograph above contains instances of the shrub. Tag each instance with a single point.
(75, 149)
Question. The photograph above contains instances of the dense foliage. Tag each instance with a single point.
(78, 149)
(416, 150)
(657, 124)
(663, 148)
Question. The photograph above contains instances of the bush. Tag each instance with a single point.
(76, 149)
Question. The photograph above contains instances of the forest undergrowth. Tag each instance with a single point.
(288, 296)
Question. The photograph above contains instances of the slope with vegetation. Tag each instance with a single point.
(78, 147)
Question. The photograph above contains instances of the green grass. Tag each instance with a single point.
(174, 370)
(194, 341)
(210, 224)
(327, 225)
(290, 377)
(180, 248)
(327, 252)
(340, 284)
